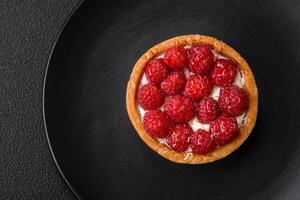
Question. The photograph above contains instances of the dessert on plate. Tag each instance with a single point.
(192, 99)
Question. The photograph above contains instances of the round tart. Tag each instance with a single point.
(192, 99)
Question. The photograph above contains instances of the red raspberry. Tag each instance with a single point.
(200, 59)
(201, 142)
(175, 57)
(174, 83)
(180, 108)
(233, 100)
(156, 123)
(150, 97)
(208, 110)
(179, 136)
(224, 72)
(198, 87)
(224, 129)
(156, 71)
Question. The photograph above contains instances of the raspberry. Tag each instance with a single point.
(198, 87)
(174, 83)
(179, 136)
(233, 100)
(150, 97)
(175, 57)
(200, 59)
(208, 110)
(156, 71)
(224, 129)
(224, 72)
(180, 108)
(156, 123)
(201, 142)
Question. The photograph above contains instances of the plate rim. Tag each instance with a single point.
(58, 36)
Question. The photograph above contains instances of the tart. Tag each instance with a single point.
(192, 99)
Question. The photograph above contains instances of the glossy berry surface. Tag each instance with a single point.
(233, 100)
(224, 130)
(208, 110)
(150, 97)
(174, 83)
(156, 123)
(200, 59)
(156, 71)
(224, 72)
(175, 57)
(179, 108)
(178, 139)
(198, 87)
(201, 142)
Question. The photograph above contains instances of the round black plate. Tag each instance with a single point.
(90, 134)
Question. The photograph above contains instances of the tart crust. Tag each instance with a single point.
(161, 149)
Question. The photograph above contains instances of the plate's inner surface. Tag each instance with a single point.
(93, 140)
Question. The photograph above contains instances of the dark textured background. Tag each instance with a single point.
(28, 30)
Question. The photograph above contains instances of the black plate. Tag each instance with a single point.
(93, 140)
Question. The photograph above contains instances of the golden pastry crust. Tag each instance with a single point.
(189, 158)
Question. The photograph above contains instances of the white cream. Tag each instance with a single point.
(215, 93)
(218, 56)
(186, 72)
(239, 79)
(194, 123)
(142, 111)
(161, 56)
(144, 81)
(241, 119)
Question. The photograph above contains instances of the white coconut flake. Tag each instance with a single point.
(162, 141)
(187, 155)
